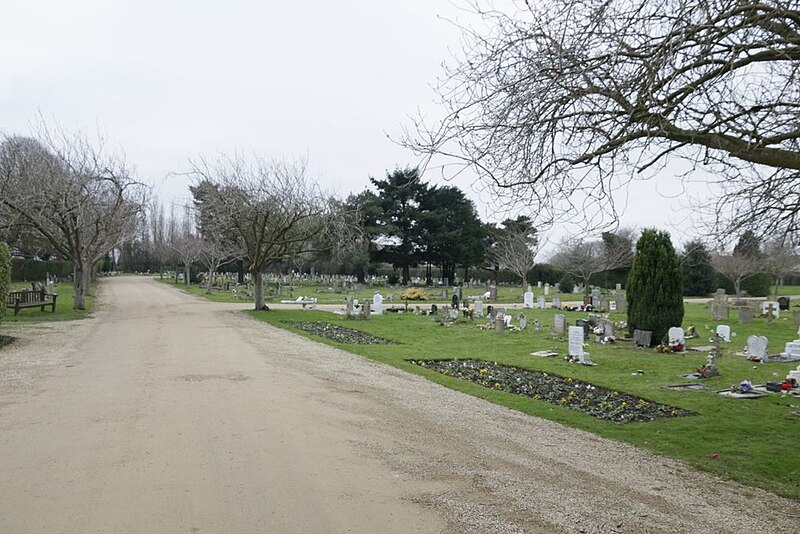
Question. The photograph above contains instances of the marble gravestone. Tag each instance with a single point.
(541, 302)
(547, 288)
(642, 338)
(575, 341)
(724, 332)
(377, 304)
(478, 308)
(556, 302)
(676, 335)
(527, 299)
(757, 347)
(523, 321)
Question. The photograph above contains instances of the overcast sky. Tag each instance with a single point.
(170, 80)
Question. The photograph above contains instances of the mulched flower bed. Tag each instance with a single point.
(597, 401)
(337, 333)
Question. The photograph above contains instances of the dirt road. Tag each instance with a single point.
(165, 413)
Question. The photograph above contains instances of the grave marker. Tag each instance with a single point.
(757, 347)
(724, 332)
(559, 324)
(527, 299)
(377, 303)
(479, 308)
(556, 302)
(542, 302)
(642, 338)
(745, 315)
(523, 321)
(575, 341)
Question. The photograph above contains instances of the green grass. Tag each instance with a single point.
(757, 440)
(64, 311)
(326, 295)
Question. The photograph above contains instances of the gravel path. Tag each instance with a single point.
(165, 413)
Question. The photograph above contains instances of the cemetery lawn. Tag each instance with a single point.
(754, 441)
(326, 295)
(64, 311)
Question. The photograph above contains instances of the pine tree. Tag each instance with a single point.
(655, 286)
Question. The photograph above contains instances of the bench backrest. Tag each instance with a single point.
(26, 296)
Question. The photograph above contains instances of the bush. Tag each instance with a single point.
(655, 286)
(412, 293)
(5, 276)
(567, 284)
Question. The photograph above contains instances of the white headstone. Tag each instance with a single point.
(556, 302)
(541, 302)
(612, 305)
(523, 322)
(724, 332)
(377, 304)
(547, 288)
(676, 335)
(527, 299)
(539, 284)
(575, 343)
(478, 310)
(507, 320)
(757, 347)
(776, 312)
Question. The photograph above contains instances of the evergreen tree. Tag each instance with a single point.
(655, 286)
(699, 278)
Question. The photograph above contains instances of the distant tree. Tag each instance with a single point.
(699, 278)
(516, 246)
(451, 234)
(737, 268)
(655, 286)
(584, 259)
(5, 276)
(781, 259)
(399, 197)
(273, 207)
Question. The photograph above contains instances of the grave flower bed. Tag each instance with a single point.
(600, 402)
(337, 333)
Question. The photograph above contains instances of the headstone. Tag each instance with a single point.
(757, 347)
(676, 336)
(537, 324)
(575, 341)
(377, 304)
(455, 301)
(771, 306)
(349, 309)
(724, 332)
(605, 304)
(365, 312)
(556, 302)
(506, 320)
(547, 288)
(719, 306)
(783, 303)
(622, 304)
(797, 319)
(493, 293)
(499, 325)
(619, 287)
(454, 313)
(478, 308)
(523, 321)
(459, 292)
(745, 315)
(539, 284)
(612, 305)
(434, 309)
(584, 324)
(490, 311)
(527, 299)
(559, 324)
(542, 302)
(608, 329)
(642, 338)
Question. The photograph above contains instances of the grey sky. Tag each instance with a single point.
(170, 80)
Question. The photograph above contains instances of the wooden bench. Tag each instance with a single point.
(28, 298)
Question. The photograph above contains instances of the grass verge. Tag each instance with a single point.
(751, 441)
(64, 310)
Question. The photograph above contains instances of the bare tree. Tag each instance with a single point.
(80, 198)
(781, 259)
(516, 247)
(583, 258)
(273, 207)
(554, 103)
(737, 268)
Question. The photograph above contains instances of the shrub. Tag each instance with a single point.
(655, 286)
(412, 293)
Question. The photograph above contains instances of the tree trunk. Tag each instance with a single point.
(210, 281)
(240, 271)
(258, 289)
(187, 272)
(406, 274)
(466, 274)
(87, 280)
(78, 300)
(586, 280)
